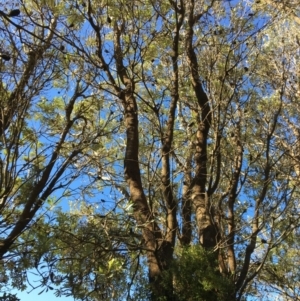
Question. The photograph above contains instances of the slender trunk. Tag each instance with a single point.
(206, 229)
(159, 249)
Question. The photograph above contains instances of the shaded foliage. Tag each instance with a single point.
(195, 276)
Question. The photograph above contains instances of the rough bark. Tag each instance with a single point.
(159, 248)
(206, 229)
(233, 191)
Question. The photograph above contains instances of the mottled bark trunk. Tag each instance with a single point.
(186, 212)
(206, 229)
(159, 248)
(160, 251)
(233, 193)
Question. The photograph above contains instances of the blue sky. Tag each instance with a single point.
(29, 294)
(34, 295)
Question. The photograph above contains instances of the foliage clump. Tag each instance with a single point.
(9, 297)
(195, 276)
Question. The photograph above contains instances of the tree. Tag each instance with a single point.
(198, 102)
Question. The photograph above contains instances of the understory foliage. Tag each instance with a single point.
(149, 150)
(195, 276)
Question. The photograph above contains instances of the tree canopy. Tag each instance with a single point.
(149, 150)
